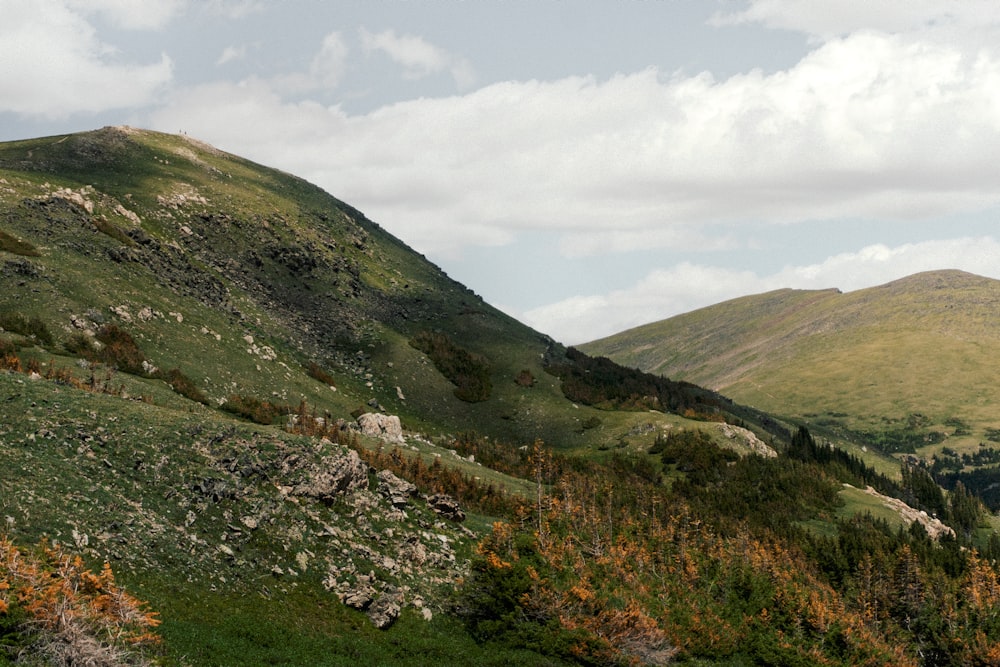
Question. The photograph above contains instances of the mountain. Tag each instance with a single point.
(262, 273)
(190, 344)
(241, 424)
(908, 366)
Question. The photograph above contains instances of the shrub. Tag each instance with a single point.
(33, 327)
(525, 378)
(65, 614)
(317, 372)
(183, 385)
(8, 356)
(112, 230)
(256, 410)
(80, 344)
(120, 350)
(470, 373)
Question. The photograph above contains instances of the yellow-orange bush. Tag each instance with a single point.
(70, 605)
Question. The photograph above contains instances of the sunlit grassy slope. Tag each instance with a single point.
(917, 355)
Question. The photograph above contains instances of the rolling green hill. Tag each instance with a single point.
(911, 364)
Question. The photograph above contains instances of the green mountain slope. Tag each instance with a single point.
(159, 296)
(242, 277)
(188, 342)
(915, 358)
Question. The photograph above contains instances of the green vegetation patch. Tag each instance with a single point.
(470, 373)
(32, 327)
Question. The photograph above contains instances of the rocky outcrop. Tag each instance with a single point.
(385, 609)
(395, 489)
(377, 425)
(446, 506)
(333, 477)
(749, 439)
(935, 527)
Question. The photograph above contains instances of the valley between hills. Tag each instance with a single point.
(241, 424)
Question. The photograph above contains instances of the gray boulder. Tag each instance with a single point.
(446, 506)
(386, 427)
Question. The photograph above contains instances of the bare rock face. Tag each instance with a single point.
(748, 438)
(446, 506)
(384, 611)
(377, 425)
(395, 489)
(335, 476)
(360, 598)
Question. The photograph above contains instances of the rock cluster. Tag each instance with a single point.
(333, 477)
(395, 489)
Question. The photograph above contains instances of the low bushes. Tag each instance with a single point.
(32, 327)
(16, 246)
(470, 373)
(54, 608)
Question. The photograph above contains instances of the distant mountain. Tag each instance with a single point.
(920, 354)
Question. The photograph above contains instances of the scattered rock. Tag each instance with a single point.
(935, 527)
(748, 438)
(77, 197)
(360, 598)
(122, 313)
(128, 215)
(385, 610)
(333, 477)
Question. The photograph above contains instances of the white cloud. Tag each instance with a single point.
(324, 73)
(234, 9)
(831, 18)
(866, 126)
(664, 293)
(418, 57)
(328, 64)
(231, 54)
(132, 14)
(54, 65)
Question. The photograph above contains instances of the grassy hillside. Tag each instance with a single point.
(243, 277)
(907, 366)
(187, 341)
(166, 306)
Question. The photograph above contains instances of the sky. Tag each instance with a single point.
(585, 166)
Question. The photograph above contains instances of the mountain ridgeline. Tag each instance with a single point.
(293, 440)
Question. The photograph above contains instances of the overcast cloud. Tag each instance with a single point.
(658, 187)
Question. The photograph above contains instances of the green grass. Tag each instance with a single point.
(303, 629)
(243, 278)
(857, 501)
(227, 250)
